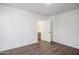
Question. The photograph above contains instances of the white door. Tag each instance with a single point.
(47, 30)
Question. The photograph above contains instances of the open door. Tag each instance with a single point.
(47, 30)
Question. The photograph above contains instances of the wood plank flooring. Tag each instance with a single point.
(44, 48)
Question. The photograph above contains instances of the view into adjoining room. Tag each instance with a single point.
(39, 29)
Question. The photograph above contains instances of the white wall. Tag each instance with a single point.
(66, 28)
(40, 26)
(17, 27)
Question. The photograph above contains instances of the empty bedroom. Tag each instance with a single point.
(39, 28)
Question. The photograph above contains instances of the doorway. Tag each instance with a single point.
(45, 30)
(40, 30)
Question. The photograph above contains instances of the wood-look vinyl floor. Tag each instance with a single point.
(44, 48)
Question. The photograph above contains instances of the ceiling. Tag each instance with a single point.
(45, 9)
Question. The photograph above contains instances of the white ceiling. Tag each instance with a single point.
(44, 9)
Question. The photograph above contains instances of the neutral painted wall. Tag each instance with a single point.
(17, 27)
(66, 28)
